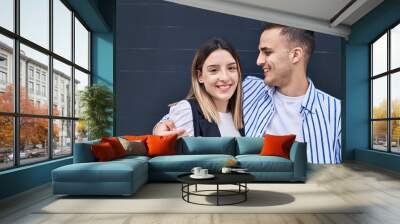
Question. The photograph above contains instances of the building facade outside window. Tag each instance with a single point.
(36, 90)
(385, 91)
(3, 72)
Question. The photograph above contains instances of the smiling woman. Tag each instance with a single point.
(213, 106)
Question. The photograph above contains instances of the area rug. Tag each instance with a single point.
(167, 198)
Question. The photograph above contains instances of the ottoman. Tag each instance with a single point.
(118, 177)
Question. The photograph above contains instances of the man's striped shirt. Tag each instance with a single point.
(320, 113)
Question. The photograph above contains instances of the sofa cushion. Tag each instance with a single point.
(277, 145)
(161, 145)
(185, 163)
(206, 145)
(257, 163)
(93, 172)
(111, 171)
(103, 152)
(129, 159)
(116, 145)
(136, 137)
(134, 147)
(249, 145)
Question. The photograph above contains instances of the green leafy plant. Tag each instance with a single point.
(96, 102)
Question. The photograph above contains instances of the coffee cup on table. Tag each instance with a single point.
(196, 171)
(226, 170)
(203, 172)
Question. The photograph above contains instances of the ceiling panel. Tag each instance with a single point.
(315, 15)
(319, 9)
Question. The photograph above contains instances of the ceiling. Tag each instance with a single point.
(333, 17)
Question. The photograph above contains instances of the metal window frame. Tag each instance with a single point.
(16, 114)
(16, 83)
(388, 74)
(50, 87)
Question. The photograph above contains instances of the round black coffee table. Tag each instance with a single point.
(238, 179)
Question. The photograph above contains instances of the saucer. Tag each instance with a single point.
(208, 176)
(240, 171)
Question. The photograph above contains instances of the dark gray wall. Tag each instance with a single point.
(156, 42)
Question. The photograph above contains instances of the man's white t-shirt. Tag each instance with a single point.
(287, 118)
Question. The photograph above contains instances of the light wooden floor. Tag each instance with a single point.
(377, 188)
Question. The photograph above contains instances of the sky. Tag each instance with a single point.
(395, 45)
(379, 62)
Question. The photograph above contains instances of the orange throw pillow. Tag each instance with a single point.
(103, 151)
(161, 145)
(136, 137)
(116, 145)
(275, 145)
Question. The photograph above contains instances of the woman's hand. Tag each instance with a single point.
(167, 127)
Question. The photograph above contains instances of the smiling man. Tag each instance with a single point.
(286, 101)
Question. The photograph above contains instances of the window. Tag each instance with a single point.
(81, 45)
(62, 75)
(62, 29)
(44, 91)
(7, 14)
(81, 81)
(30, 87)
(3, 76)
(37, 74)
(3, 81)
(54, 125)
(33, 149)
(34, 21)
(7, 142)
(37, 89)
(43, 77)
(3, 72)
(7, 72)
(30, 72)
(395, 47)
(3, 61)
(62, 130)
(385, 94)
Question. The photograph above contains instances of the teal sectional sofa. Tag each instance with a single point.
(125, 176)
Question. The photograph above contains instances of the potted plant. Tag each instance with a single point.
(96, 102)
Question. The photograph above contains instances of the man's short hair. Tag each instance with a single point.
(295, 35)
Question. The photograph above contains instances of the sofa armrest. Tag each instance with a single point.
(298, 155)
(83, 152)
